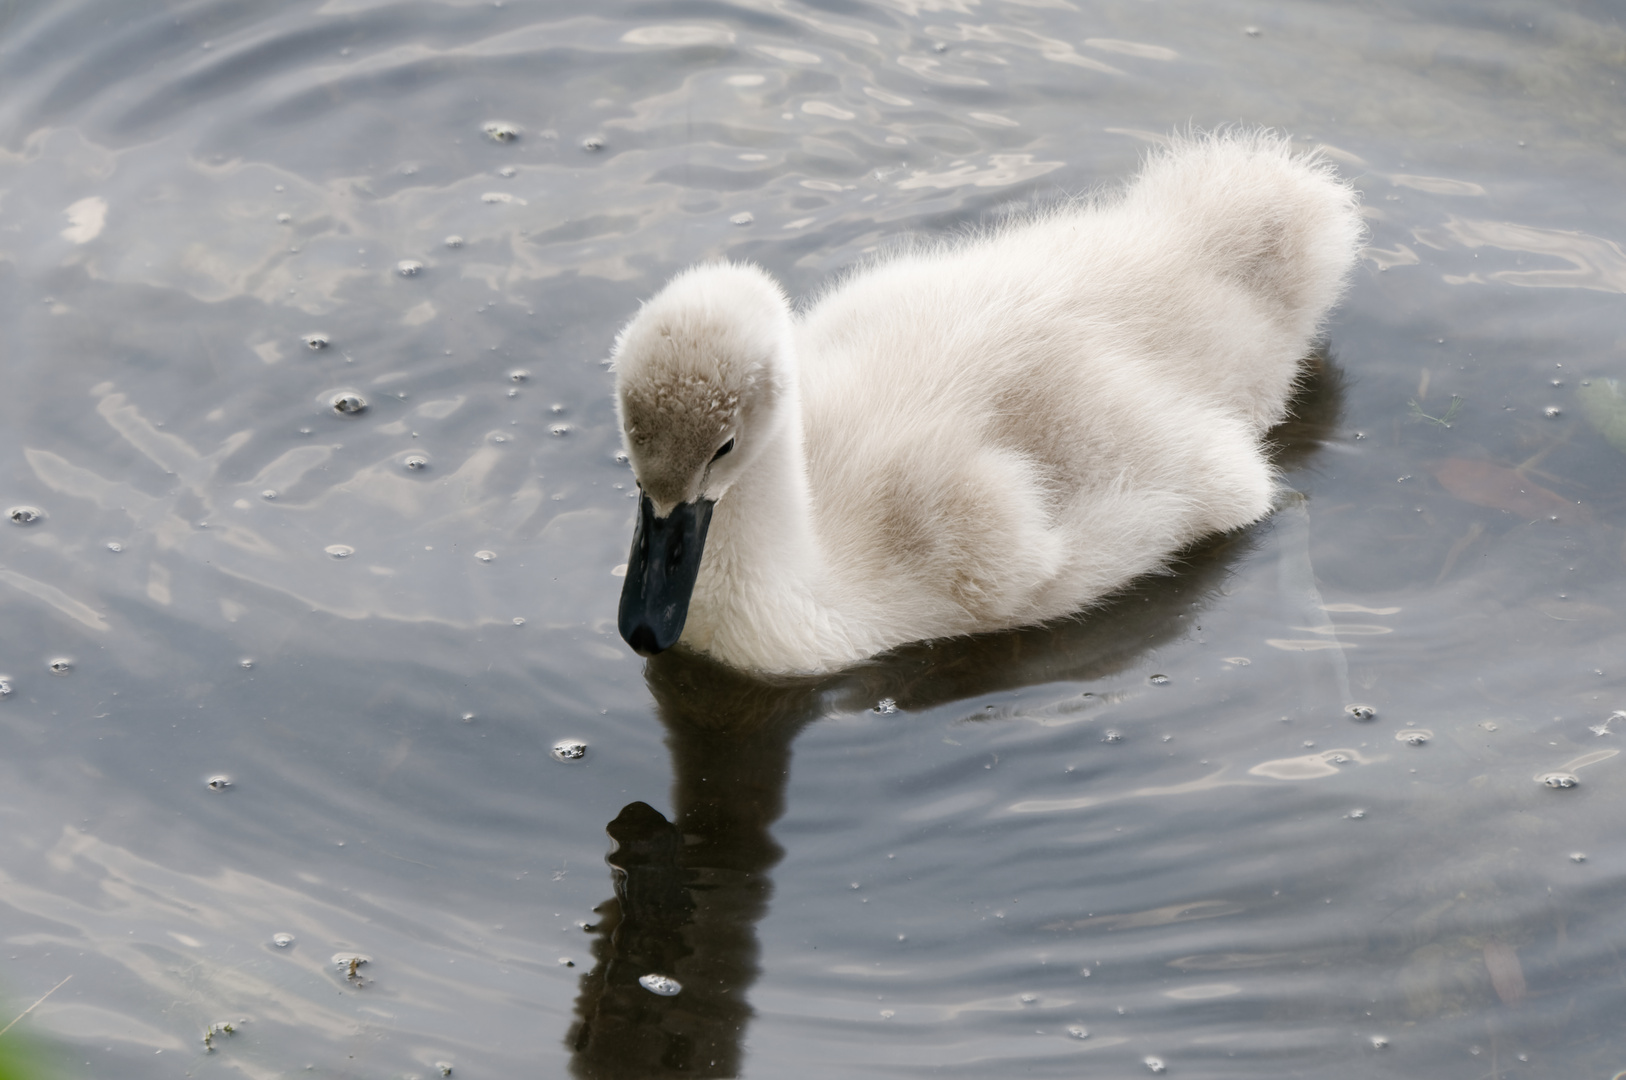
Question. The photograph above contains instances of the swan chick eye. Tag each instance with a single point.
(723, 449)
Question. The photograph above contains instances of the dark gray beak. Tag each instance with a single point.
(661, 571)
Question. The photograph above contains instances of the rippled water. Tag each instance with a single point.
(296, 692)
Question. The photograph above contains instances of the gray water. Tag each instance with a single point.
(1157, 827)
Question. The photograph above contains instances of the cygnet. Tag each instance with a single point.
(988, 432)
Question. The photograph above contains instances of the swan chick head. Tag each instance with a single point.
(700, 373)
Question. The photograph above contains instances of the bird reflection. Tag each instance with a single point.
(689, 892)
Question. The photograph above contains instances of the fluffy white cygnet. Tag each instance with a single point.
(988, 433)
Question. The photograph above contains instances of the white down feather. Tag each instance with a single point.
(995, 431)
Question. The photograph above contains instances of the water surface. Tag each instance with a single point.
(1152, 838)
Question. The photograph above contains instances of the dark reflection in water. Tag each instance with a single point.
(690, 892)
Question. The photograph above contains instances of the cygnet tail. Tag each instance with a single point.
(1281, 225)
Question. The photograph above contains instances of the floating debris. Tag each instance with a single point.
(1363, 713)
(1158, 680)
(223, 1028)
(663, 985)
(1379, 1042)
(219, 783)
(409, 268)
(350, 964)
(744, 217)
(500, 130)
(5, 686)
(1078, 1031)
(593, 143)
(885, 707)
(1155, 1064)
(569, 750)
(453, 241)
(60, 666)
(282, 941)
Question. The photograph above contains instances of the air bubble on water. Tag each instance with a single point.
(219, 783)
(500, 130)
(664, 985)
(887, 1014)
(5, 686)
(245, 663)
(1488, 725)
(1359, 435)
(1155, 1064)
(1356, 814)
(468, 718)
(620, 457)
(453, 241)
(1379, 1042)
(24, 515)
(498, 437)
(1552, 412)
(1340, 759)
(1078, 1031)
(1086, 972)
(885, 707)
(744, 217)
(569, 750)
(1362, 713)
(1560, 780)
(283, 219)
(340, 551)
(1030, 999)
(1556, 382)
(560, 429)
(315, 342)
(114, 546)
(415, 462)
(1112, 735)
(519, 375)
(593, 143)
(409, 267)
(507, 172)
(445, 1067)
(1158, 680)
(485, 556)
(517, 620)
(1414, 736)
(282, 941)
(1238, 661)
(513, 391)
(60, 666)
(1252, 31)
(348, 403)
(1577, 856)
